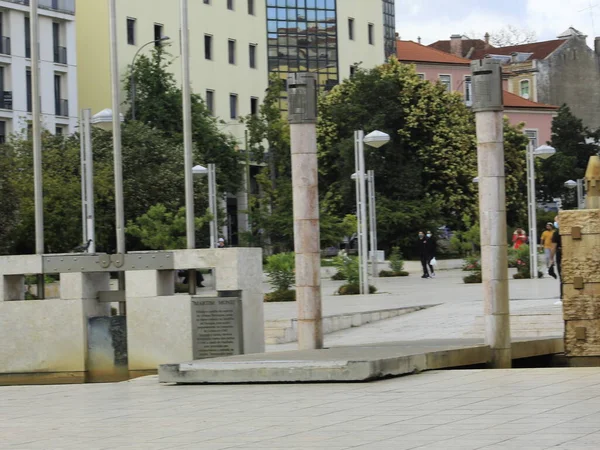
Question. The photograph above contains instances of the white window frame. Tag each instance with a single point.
(449, 82)
(422, 76)
(468, 84)
(533, 135)
(522, 83)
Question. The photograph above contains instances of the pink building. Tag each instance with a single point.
(455, 72)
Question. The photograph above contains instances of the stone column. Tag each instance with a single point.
(243, 205)
(592, 183)
(492, 219)
(12, 287)
(306, 235)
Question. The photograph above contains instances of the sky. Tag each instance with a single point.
(438, 19)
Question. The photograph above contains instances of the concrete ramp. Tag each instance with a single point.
(347, 364)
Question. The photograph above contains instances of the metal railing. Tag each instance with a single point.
(60, 55)
(64, 6)
(62, 108)
(6, 101)
(4, 45)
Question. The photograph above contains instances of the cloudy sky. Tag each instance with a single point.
(438, 19)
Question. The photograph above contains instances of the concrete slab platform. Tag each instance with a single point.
(346, 364)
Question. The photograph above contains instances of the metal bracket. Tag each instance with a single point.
(576, 233)
(580, 333)
(578, 282)
(85, 263)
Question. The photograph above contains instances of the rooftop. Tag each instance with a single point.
(409, 51)
(513, 101)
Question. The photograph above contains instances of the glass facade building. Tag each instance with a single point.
(302, 37)
(389, 27)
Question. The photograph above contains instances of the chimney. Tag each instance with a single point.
(597, 45)
(456, 45)
(419, 39)
(487, 40)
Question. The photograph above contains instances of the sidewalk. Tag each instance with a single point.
(523, 409)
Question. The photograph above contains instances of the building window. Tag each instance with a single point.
(208, 46)
(207, 2)
(61, 105)
(60, 53)
(389, 28)
(27, 38)
(351, 29)
(2, 132)
(524, 88)
(231, 51)
(158, 34)
(59, 131)
(352, 70)
(28, 86)
(230, 5)
(421, 76)
(210, 101)
(251, 7)
(130, 31)
(254, 106)
(252, 55)
(468, 91)
(233, 106)
(371, 34)
(446, 80)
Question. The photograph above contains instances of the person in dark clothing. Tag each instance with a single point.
(423, 244)
(184, 274)
(431, 251)
(556, 255)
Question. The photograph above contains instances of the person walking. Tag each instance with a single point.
(556, 257)
(546, 242)
(519, 238)
(422, 245)
(431, 252)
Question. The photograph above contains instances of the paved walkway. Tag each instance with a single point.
(459, 314)
(523, 409)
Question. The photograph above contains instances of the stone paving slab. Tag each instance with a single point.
(342, 364)
(438, 410)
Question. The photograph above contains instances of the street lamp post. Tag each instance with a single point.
(571, 184)
(544, 152)
(212, 199)
(374, 139)
(132, 77)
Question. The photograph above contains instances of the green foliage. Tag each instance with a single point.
(354, 289)
(391, 273)
(515, 168)
(160, 229)
(473, 265)
(396, 260)
(347, 268)
(472, 278)
(9, 201)
(339, 276)
(570, 161)
(280, 270)
(281, 296)
(466, 242)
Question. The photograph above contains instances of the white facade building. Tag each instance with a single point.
(58, 73)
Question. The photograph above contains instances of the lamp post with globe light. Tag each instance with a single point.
(543, 152)
(375, 139)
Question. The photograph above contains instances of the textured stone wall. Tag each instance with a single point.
(580, 231)
(571, 75)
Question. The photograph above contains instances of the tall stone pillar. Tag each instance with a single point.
(305, 184)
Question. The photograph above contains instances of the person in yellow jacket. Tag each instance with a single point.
(546, 242)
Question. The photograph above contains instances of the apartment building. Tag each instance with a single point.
(235, 46)
(58, 73)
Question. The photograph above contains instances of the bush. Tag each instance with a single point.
(390, 273)
(354, 289)
(281, 296)
(347, 268)
(473, 278)
(512, 258)
(280, 270)
(396, 260)
(338, 276)
(327, 263)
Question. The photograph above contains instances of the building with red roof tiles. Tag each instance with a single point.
(455, 72)
(557, 71)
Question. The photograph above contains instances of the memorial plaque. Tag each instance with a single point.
(217, 327)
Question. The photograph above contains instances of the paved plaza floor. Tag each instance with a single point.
(460, 409)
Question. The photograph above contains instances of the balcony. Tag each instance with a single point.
(4, 45)
(62, 108)
(63, 6)
(6, 100)
(60, 55)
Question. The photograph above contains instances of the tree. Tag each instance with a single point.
(515, 169)
(574, 144)
(158, 103)
(159, 229)
(424, 174)
(9, 202)
(507, 36)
